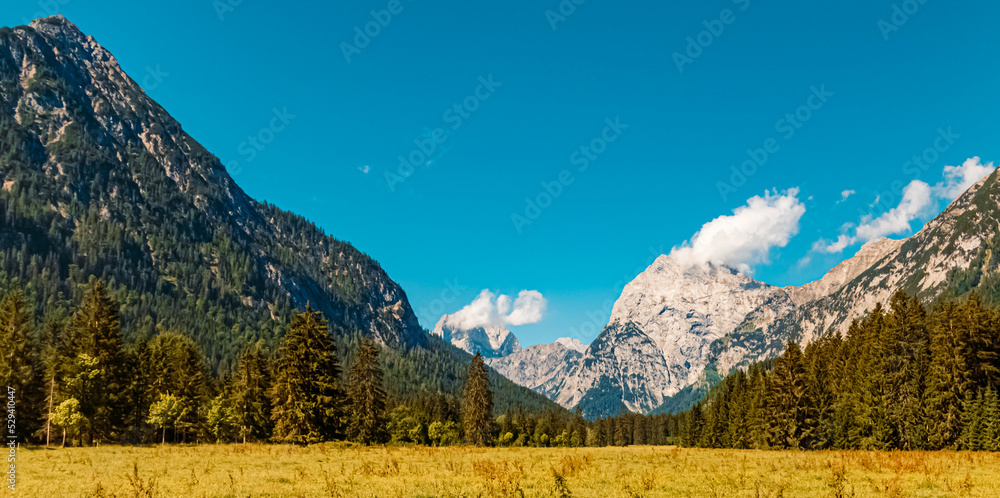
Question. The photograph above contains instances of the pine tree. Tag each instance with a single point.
(177, 367)
(907, 362)
(972, 424)
(477, 409)
(96, 341)
(19, 367)
(694, 423)
(307, 398)
(947, 382)
(792, 419)
(55, 362)
(980, 342)
(251, 383)
(367, 394)
(989, 438)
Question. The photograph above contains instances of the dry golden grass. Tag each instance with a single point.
(338, 470)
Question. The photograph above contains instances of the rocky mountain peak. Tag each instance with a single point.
(845, 271)
(572, 344)
(492, 341)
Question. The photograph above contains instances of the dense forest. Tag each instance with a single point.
(76, 376)
(905, 377)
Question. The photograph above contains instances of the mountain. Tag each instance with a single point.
(657, 339)
(950, 256)
(100, 181)
(677, 329)
(541, 368)
(491, 341)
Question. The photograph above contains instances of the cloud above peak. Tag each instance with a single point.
(958, 179)
(491, 310)
(745, 238)
(918, 200)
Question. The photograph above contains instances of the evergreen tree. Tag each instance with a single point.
(989, 438)
(477, 409)
(368, 417)
(947, 382)
(792, 419)
(250, 387)
(54, 365)
(307, 398)
(19, 367)
(96, 342)
(178, 369)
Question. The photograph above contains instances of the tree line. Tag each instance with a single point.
(79, 383)
(903, 378)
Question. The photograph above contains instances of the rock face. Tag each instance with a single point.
(491, 341)
(659, 334)
(952, 254)
(541, 368)
(109, 184)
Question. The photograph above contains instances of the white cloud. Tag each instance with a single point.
(489, 309)
(745, 238)
(364, 169)
(917, 198)
(918, 201)
(958, 179)
(528, 308)
(845, 194)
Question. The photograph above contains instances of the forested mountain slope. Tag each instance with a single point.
(100, 181)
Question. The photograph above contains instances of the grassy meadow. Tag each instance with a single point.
(335, 470)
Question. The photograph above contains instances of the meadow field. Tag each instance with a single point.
(337, 470)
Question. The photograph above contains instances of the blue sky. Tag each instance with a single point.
(534, 86)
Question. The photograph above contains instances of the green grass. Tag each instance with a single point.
(338, 470)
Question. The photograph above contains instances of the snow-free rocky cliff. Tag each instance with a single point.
(676, 326)
(491, 341)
